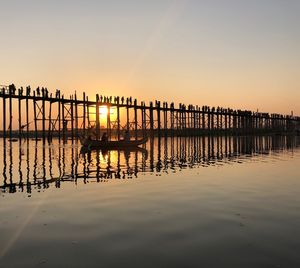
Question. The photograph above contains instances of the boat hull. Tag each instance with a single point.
(96, 144)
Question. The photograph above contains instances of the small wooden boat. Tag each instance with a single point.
(13, 140)
(98, 144)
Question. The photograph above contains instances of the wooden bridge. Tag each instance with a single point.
(44, 114)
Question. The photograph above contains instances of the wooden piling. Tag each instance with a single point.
(63, 117)
(27, 116)
(43, 116)
(34, 115)
(97, 117)
(4, 113)
(72, 116)
(84, 114)
(76, 115)
(135, 119)
(19, 113)
(50, 121)
(10, 113)
(118, 118)
(108, 125)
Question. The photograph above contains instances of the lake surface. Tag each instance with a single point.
(181, 202)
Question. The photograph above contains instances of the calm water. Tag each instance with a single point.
(183, 202)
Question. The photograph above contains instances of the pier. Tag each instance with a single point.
(44, 114)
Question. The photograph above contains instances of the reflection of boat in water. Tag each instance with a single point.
(85, 150)
(122, 144)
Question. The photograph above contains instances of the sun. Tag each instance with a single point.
(103, 110)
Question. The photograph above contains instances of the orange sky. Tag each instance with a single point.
(238, 54)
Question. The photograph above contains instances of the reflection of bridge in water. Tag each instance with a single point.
(37, 165)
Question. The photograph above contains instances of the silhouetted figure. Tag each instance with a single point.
(38, 91)
(12, 89)
(28, 89)
(126, 136)
(104, 137)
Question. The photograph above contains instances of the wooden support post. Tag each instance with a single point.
(142, 118)
(59, 115)
(4, 113)
(63, 117)
(72, 116)
(212, 118)
(44, 117)
(203, 119)
(158, 116)
(233, 120)
(183, 117)
(172, 119)
(10, 114)
(188, 119)
(118, 118)
(50, 121)
(76, 116)
(19, 112)
(218, 119)
(135, 119)
(151, 118)
(84, 114)
(34, 112)
(88, 112)
(208, 118)
(197, 119)
(221, 119)
(27, 117)
(97, 117)
(108, 126)
(127, 116)
(166, 109)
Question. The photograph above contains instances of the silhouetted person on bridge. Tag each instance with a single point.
(28, 89)
(127, 136)
(12, 89)
(104, 137)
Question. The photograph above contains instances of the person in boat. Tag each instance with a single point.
(127, 136)
(104, 137)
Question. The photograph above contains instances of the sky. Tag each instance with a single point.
(231, 53)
